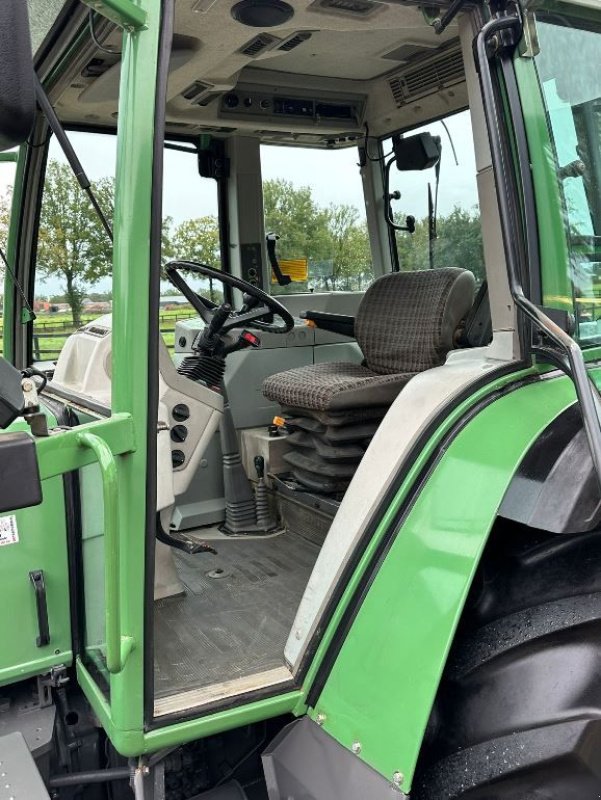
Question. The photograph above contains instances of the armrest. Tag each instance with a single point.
(336, 323)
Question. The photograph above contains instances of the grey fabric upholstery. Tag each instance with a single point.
(405, 325)
(407, 320)
(328, 387)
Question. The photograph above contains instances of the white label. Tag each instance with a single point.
(9, 532)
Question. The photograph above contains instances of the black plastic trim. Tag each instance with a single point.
(164, 54)
(228, 704)
(530, 228)
(337, 323)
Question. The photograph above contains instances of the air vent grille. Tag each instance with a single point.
(354, 8)
(295, 40)
(408, 51)
(427, 77)
(195, 90)
(257, 45)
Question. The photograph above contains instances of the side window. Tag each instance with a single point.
(7, 179)
(190, 233)
(572, 96)
(458, 241)
(73, 283)
(318, 212)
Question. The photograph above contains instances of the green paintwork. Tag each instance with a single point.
(62, 452)
(384, 681)
(349, 590)
(10, 156)
(118, 646)
(42, 545)
(133, 743)
(131, 301)
(124, 13)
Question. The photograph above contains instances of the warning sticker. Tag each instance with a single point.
(9, 533)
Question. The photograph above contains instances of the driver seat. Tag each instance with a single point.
(406, 324)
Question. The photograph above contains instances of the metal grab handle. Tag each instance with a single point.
(118, 647)
(39, 586)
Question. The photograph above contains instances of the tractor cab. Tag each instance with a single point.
(335, 294)
(267, 261)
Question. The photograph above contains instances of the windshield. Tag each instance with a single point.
(568, 68)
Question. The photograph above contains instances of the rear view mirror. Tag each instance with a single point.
(17, 98)
(416, 153)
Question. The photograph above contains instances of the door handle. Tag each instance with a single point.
(118, 647)
(36, 577)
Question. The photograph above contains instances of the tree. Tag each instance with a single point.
(293, 214)
(5, 204)
(350, 252)
(72, 243)
(458, 243)
(198, 240)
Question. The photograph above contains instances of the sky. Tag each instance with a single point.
(332, 175)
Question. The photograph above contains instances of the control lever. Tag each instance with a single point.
(281, 278)
(219, 319)
(265, 519)
(260, 467)
(205, 341)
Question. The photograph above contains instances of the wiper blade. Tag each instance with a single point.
(69, 152)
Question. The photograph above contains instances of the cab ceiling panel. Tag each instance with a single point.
(317, 50)
(348, 39)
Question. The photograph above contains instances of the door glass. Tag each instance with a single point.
(318, 212)
(73, 283)
(72, 291)
(458, 240)
(190, 233)
(7, 178)
(568, 69)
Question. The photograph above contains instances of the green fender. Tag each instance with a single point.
(380, 689)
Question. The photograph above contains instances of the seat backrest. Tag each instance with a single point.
(407, 320)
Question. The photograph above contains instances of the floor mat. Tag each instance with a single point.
(236, 615)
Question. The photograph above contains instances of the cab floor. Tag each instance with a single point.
(236, 615)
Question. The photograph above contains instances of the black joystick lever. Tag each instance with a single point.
(219, 319)
(260, 466)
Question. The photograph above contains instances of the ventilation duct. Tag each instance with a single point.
(259, 44)
(409, 51)
(427, 76)
(349, 8)
(295, 40)
(197, 91)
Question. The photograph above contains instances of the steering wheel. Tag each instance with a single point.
(257, 304)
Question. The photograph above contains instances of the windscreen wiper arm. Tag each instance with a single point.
(70, 154)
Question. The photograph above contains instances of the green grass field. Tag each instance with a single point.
(50, 331)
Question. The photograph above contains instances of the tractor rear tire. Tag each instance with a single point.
(518, 711)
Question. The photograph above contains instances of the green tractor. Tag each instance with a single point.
(309, 509)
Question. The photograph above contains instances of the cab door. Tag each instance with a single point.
(88, 536)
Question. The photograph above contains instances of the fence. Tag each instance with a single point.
(49, 336)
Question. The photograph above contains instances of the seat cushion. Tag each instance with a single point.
(328, 387)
